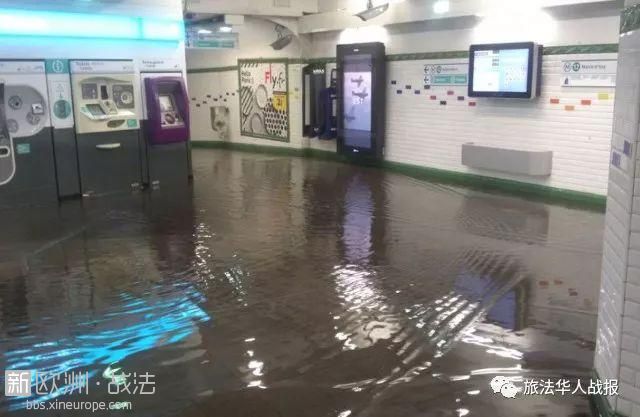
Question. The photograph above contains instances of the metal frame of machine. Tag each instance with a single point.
(165, 128)
(27, 163)
(106, 98)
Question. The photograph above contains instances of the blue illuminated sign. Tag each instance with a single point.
(83, 25)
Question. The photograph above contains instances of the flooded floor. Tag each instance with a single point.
(284, 286)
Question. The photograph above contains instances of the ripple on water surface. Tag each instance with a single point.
(286, 287)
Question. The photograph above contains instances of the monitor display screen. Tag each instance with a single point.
(502, 70)
(356, 102)
(89, 91)
(166, 103)
(95, 109)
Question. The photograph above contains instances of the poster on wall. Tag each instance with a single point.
(589, 73)
(264, 107)
(220, 122)
(446, 74)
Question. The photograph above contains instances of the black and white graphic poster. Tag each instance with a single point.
(264, 107)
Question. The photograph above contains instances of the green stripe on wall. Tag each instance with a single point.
(428, 55)
(216, 69)
(602, 48)
(548, 50)
(537, 192)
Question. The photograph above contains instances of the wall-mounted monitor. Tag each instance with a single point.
(508, 70)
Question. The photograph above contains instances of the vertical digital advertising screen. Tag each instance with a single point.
(356, 98)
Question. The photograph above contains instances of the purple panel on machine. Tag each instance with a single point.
(167, 110)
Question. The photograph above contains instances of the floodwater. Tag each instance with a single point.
(282, 286)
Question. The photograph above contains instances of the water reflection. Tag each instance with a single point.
(286, 286)
(137, 326)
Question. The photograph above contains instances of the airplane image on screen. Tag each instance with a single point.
(360, 94)
(358, 81)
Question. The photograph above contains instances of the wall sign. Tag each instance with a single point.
(59, 86)
(103, 67)
(589, 73)
(446, 74)
(21, 67)
(264, 96)
(159, 64)
(211, 39)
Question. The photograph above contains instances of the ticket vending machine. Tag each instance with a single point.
(166, 129)
(361, 99)
(107, 112)
(27, 164)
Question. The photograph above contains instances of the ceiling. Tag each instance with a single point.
(338, 14)
(155, 8)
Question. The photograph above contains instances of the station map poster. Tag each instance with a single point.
(264, 95)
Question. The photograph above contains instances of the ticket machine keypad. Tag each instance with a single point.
(171, 119)
(123, 96)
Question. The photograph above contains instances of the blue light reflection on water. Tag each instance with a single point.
(140, 325)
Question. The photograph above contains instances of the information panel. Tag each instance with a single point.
(501, 70)
(589, 73)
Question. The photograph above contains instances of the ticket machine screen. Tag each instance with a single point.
(89, 91)
(166, 103)
(170, 115)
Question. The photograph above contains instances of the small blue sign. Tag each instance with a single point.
(23, 148)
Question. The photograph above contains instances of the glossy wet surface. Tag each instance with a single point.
(292, 287)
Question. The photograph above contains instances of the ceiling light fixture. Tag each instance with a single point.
(441, 6)
(371, 11)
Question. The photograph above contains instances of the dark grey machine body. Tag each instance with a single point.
(66, 154)
(169, 165)
(34, 182)
(104, 171)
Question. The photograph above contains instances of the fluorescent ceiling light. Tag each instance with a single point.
(166, 30)
(84, 25)
(441, 6)
(225, 29)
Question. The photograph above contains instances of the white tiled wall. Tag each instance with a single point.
(421, 131)
(618, 340)
(223, 86)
